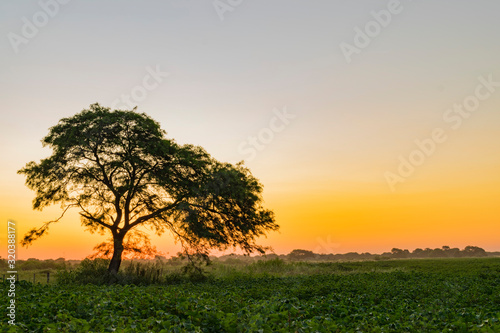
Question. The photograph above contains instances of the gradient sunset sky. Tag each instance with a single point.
(330, 133)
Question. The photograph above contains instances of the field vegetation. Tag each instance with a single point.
(273, 295)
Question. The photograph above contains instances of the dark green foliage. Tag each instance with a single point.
(88, 271)
(95, 272)
(445, 295)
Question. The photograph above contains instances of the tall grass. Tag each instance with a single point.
(139, 273)
(161, 272)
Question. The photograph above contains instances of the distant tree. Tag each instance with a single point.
(395, 250)
(450, 252)
(474, 251)
(437, 253)
(351, 256)
(301, 255)
(271, 256)
(417, 252)
(399, 253)
(428, 252)
(454, 252)
(121, 172)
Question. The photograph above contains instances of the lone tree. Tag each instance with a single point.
(121, 172)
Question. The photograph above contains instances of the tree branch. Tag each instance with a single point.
(89, 216)
(144, 218)
(34, 233)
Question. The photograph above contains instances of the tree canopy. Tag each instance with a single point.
(120, 171)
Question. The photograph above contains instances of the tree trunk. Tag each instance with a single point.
(116, 260)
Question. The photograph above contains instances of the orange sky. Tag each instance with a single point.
(352, 217)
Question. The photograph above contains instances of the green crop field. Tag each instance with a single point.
(428, 295)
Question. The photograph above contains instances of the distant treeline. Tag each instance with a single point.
(36, 264)
(443, 252)
(295, 255)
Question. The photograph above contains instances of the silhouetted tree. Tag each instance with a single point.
(454, 252)
(121, 172)
(301, 255)
(417, 252)
(474, 251)
(398, 253)
(437, 252)
(449, 252)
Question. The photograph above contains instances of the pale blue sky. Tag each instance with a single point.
(227, 76)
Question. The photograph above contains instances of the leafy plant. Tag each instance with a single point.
(446, 295)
